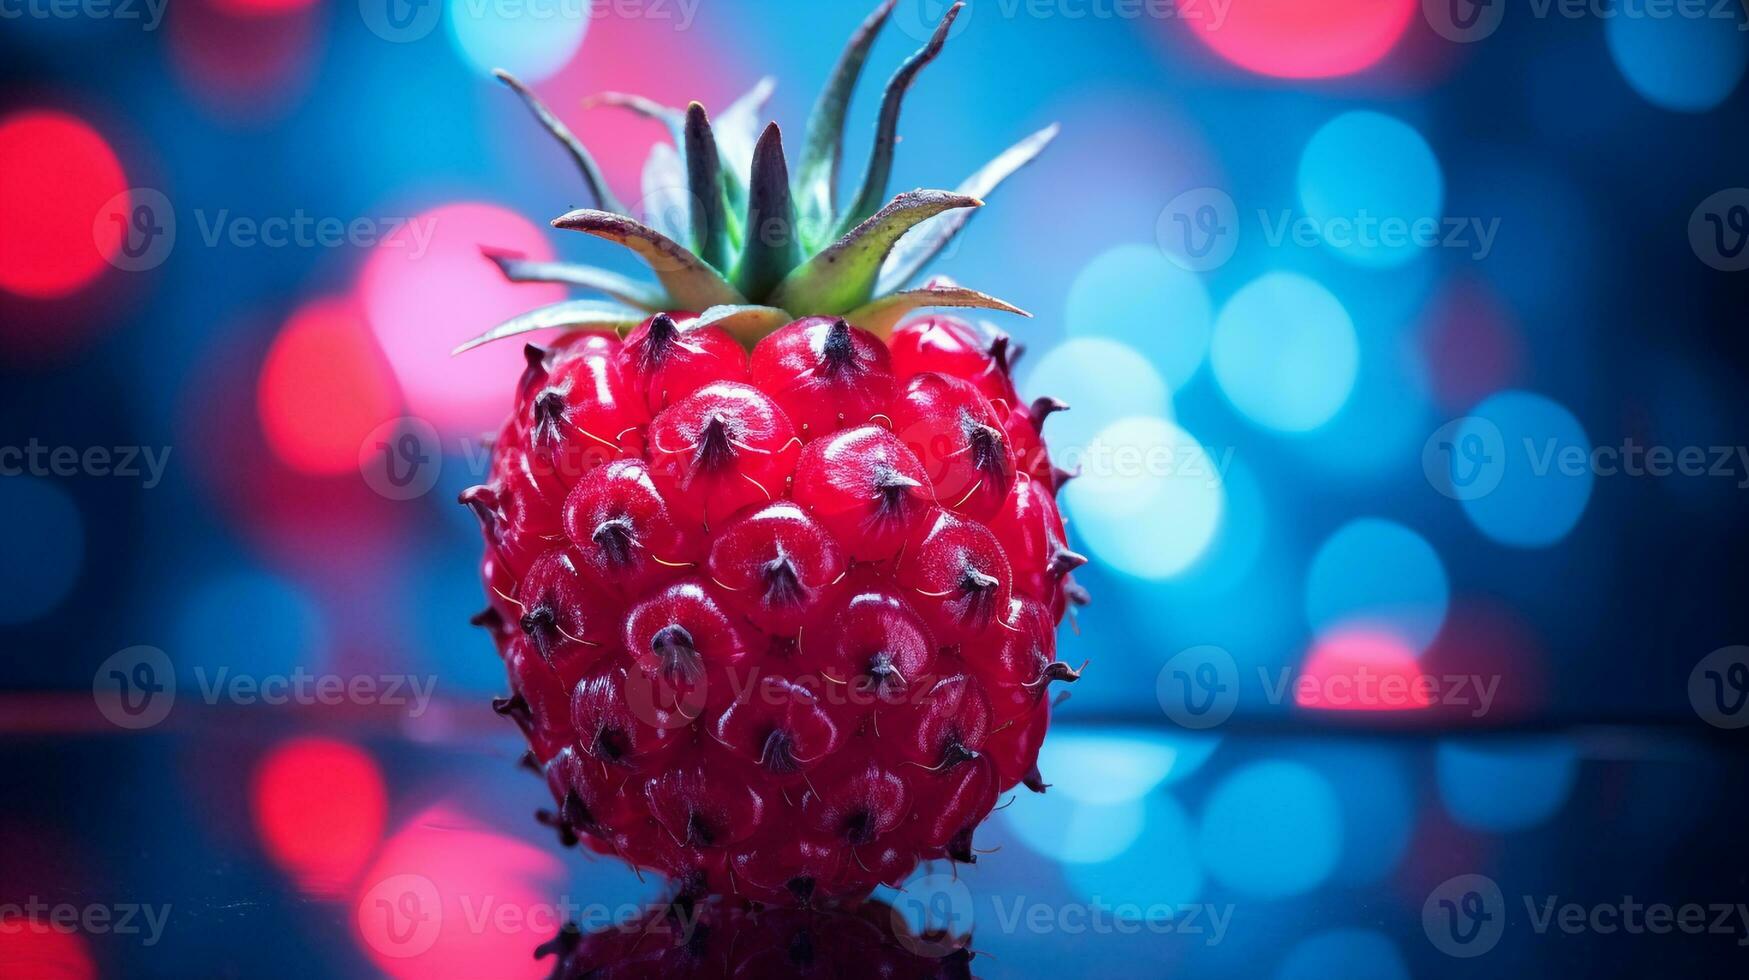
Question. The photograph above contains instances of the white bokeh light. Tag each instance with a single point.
(1149, 499)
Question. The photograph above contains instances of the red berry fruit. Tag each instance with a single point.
(825, 373)
(721, 448)
(776, 578)
(667, 362)
(957, 435)
(866, 488)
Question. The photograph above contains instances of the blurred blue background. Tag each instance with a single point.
(1404, 306)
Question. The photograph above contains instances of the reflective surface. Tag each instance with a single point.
(251, 844)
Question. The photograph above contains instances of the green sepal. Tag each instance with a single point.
(735, 130)
(689, 282)
(880, 316)
(704, 183)
(770, 248)
(592, 177)
(745, 323)
(737, 134)
(880, 161)
(817, 177)
(575, 314)
(930, 237)
(628, 291)
(843, 276)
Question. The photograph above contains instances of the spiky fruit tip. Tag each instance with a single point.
(775, 579)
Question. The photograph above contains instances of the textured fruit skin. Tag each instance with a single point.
(783, 660)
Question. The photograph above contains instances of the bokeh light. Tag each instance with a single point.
(529, 40)
(42, 559)
(1505, 785)
(245, 8)
(1352, 954)
(1135, 295)
(1156, 874)
(1681, 61)
(1149, 499)
(412, 907)
(319, 806)
(1534, 467)
(1271, 829)
(57, 174)
(1285, 352)
(327, 527)
(1106, 766)
(1379, 574)
(1373, 188)
(1100, 380)
(323, 388)
(247, 59)
(43, 950)
(1355, 669)
(1073, 831)
(426, 289)
(1295, 39)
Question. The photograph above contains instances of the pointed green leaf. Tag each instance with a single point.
(880, 161)
(745, 323)
(592, 177)
(925, 241)
(576, 314)
(518, 269)
(736, 130)
(817, 177)
(667, 205)
(882, 315)
(771, 248)
(843, 276)
(737, 134)
(690, 283)
(704, 184)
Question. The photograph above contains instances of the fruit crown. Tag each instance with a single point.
(765, 248)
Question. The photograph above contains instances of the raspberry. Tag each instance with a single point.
(776, 577)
